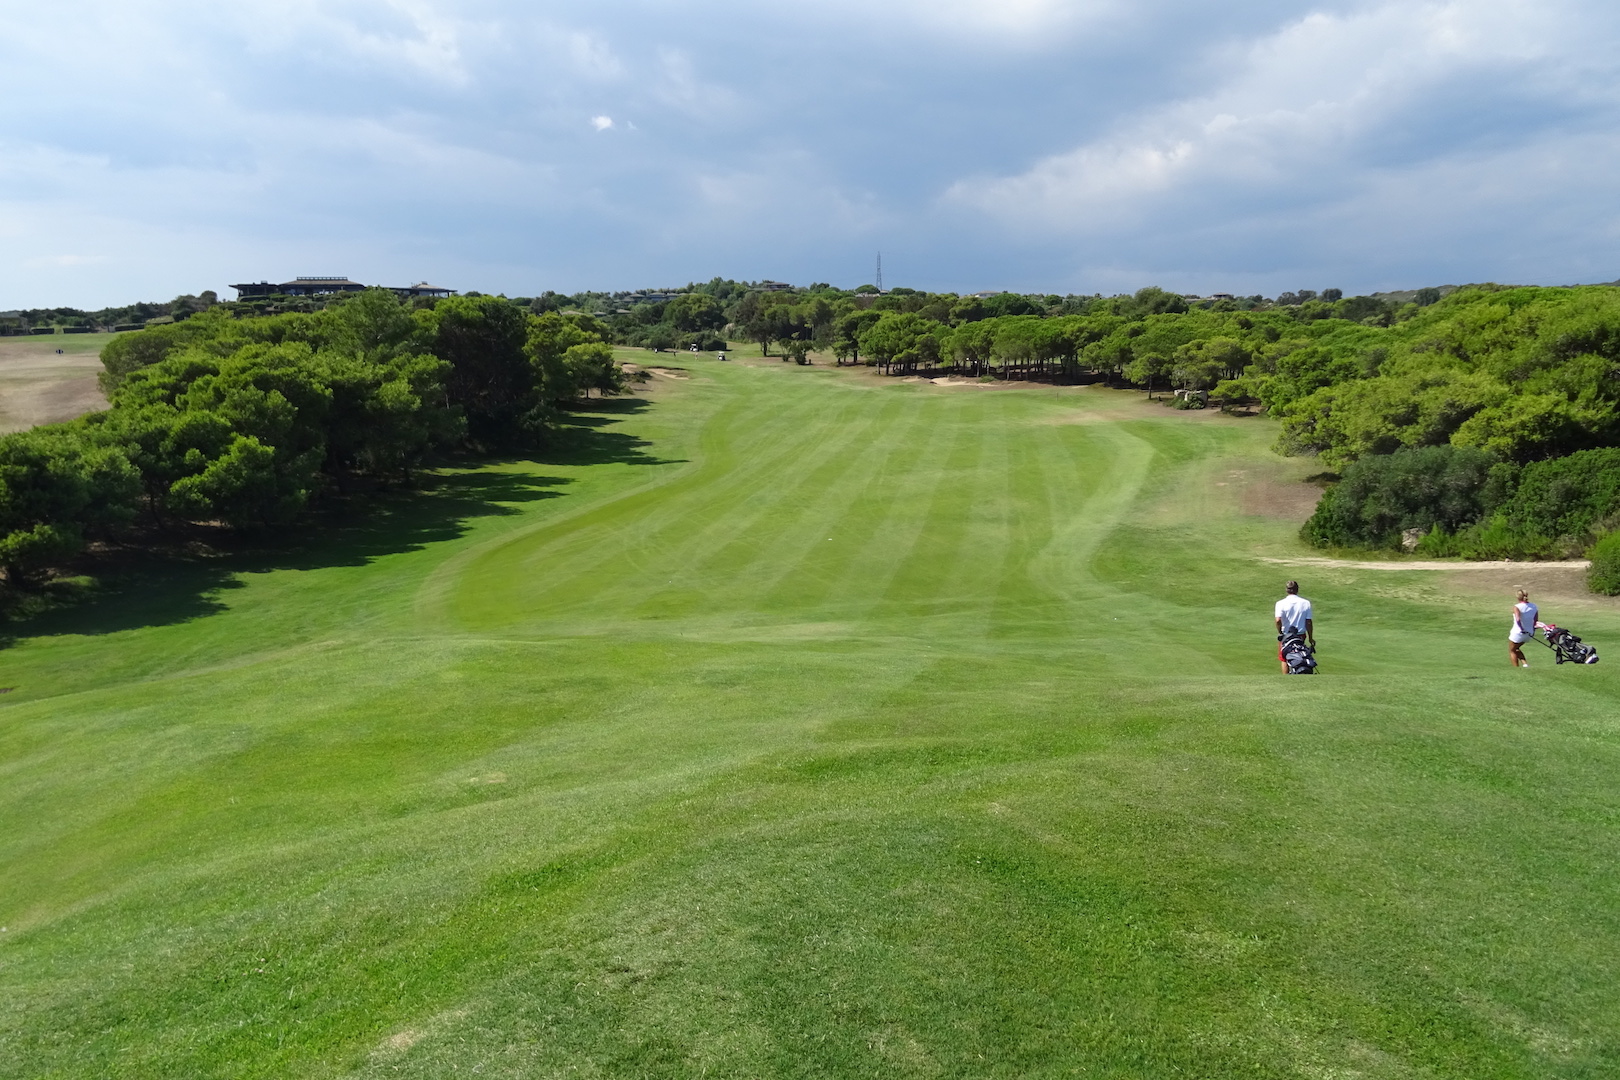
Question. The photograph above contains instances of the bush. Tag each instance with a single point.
(59, 484)
(1493, 538)
(1383, 495)
(1566, 500)
(1603, 576)
(249, 422)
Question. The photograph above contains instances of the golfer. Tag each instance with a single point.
(1293, 617)
(1523, 629)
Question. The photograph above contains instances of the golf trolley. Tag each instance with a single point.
(1566, 647)
(1298, 655)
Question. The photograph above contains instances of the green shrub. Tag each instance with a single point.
(1603, 576)
(1497, 537)
(1380, 496)
(1566, 499)
(58, 484)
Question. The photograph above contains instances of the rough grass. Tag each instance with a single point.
(794, 724)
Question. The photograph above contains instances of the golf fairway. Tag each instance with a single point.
(798, 723)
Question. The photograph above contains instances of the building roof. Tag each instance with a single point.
(306, 285)
(337, 281)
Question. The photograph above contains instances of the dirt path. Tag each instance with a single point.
(1432, 564)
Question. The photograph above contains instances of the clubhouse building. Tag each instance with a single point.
(326, 286)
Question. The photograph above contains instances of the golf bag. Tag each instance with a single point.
(1297, 655)
(1567, 648)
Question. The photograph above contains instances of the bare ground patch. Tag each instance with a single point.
(1286, 500)
(38, 385)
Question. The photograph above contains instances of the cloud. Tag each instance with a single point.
(1325, 108)
(1048, 144)
(1012, 18)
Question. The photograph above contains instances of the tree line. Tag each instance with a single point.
(123, 317)
(1486, 427)
(248, 422)
(1501, 378)
(906, 331)
(1481, 421)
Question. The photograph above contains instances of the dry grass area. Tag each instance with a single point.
(47, 379)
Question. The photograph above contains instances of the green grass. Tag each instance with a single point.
(70, 344)
(798, 724)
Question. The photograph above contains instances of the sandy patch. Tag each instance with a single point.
(632, 368)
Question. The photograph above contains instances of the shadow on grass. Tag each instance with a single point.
(588, 438)
(183, 577)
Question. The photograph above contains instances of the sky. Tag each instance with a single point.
(150, 148)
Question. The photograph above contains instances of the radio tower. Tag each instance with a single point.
(879, 281)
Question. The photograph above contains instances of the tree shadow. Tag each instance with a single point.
(587, 437)
(183, 576)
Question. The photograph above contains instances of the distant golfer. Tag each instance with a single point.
(1523, 629)
(1293, 617)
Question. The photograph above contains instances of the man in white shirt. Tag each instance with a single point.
(1293, 618)
(1522, 630)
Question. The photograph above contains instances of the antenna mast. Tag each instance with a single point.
(880, 272)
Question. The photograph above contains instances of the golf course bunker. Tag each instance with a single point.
(631, 368)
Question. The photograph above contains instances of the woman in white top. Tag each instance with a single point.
(1524, 628)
